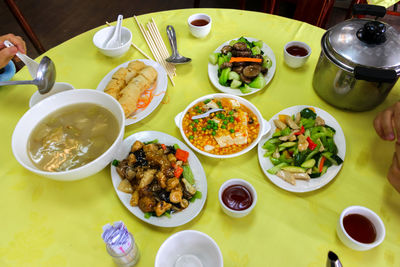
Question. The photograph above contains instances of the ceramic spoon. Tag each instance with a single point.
(30, 63)
(206, 114)
(45, 77)
(115, 40)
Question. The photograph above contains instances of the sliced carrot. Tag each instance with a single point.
(282, 118)
(181, 155)
(245, 59)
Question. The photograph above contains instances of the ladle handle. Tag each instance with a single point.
(17, 82)
(172, 40)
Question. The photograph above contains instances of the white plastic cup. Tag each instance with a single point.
(199, 31)
(370, 215)
(296, 61)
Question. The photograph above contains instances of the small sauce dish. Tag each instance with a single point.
(237, 197)
(296, 54)
(199, 25)
(360, 228)
(101, 38)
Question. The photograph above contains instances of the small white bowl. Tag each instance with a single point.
(370, 215)
(189, 248)
(101, 38)
(296, 61)
(199, 31)
(57, 88)
(38, 112)
(237, 213)
(264, 125)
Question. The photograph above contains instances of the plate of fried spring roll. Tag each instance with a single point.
(138, 85)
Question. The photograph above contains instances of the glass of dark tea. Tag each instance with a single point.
(360, 228)
(296, 54)
(237, 197)
(199, 25)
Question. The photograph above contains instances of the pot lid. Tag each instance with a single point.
(363, 42)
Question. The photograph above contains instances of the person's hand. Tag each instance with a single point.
(387, 123)
(394, 170)
(7, 53)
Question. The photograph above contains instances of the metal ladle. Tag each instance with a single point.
(45, 76)
(175, 58)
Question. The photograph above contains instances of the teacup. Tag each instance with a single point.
(199, 25)
(296, 54)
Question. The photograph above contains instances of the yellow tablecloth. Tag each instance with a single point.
(50, 223)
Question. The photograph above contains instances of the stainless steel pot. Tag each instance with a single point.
(359, 62)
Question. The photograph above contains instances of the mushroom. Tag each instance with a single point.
(240, 53)
(237, 69)
(264, 70)
(239, 64)
(252, 71)
(226, 65)
(226, 49)
(244, 78)
(240, 46)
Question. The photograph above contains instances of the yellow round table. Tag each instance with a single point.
(50, 223)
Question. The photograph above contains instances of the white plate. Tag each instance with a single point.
(158, 93)
(213, 70)
(315, 183)
(178, 218)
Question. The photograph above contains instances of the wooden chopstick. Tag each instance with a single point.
(153, 49)
(135, 46)
(160, 44)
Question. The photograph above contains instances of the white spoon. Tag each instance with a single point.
(30, 63)
(206, 114)
(115, 40)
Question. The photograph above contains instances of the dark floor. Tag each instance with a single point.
(57, 21)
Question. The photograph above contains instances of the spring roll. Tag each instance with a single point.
(149, 73)
(131, 93)
(116, 83)
(134, 68)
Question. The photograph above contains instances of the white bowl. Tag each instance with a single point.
(190, 249)
(57, 88)
(39, 111)
(237, 213)
(199, 31)
(101, 38)
(369, 214)
(296, 61)
(264, 125)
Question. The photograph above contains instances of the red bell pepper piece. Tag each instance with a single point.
(302, 130)
(321, 164)
(311, 144)
(164, 147)
(181, 155)
(178, 171)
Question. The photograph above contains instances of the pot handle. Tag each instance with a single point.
(372, 10)
(375, 75)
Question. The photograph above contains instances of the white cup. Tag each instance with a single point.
(296, 61)
(237, 213)
(370, 215)
(199, 31)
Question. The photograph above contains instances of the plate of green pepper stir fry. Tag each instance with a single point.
(304, 150)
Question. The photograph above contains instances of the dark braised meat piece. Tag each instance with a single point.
(240, 53)
(237, 69)
(239, 64)
(226, 49)
(226, 65)
(251, 71)
(163, 195)
(251, 121)
(240, 46)
(170, 150)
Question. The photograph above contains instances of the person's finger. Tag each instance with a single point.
(386, 124)
(6, 55)
(378, 126)
(15, 40)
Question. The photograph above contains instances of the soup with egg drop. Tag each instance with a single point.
(72, 137)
